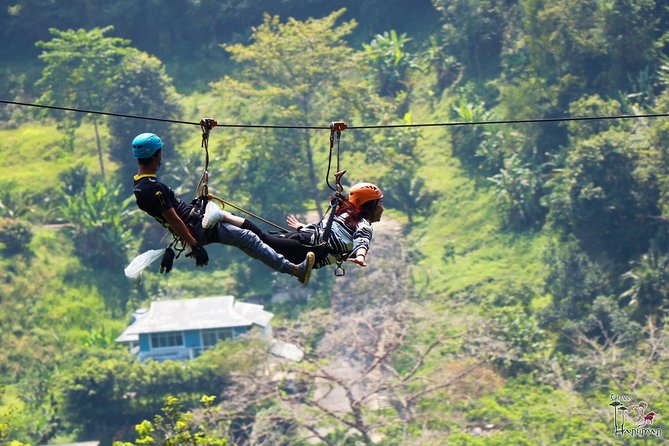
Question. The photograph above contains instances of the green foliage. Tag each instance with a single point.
(289, 68)
(79, 72)
(388, 57)
(178, 428)
(605, 183)
(15, 236)
(647, 282)
(518, 190)
(6, 426)
(607, 201)
(74, 179)
(526, 345)
(473, 33)
(102, 394)
(13, 206)
(530, 413)
(99, 220)
(407, 191)
(574, 281)
(404, 188)
(446, 69)
(79, 66)
(466, 140)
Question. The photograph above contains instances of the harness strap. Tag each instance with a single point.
(336, 127)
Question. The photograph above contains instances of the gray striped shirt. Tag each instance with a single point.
(343, 239)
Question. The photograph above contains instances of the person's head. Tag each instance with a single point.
(368, 198)
(147, 148)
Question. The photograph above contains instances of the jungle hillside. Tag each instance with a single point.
(517, 285)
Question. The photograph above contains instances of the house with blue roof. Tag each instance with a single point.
(182, 329)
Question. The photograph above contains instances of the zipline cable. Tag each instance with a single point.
(359, 127)
(150, 118)
(511, 121)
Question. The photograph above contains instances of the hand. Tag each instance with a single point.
(167, 261)
(358, 260)
(201, 257)
(294, 222)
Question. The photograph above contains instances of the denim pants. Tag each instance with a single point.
(250, 243)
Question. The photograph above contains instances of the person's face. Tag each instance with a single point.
(378, 211)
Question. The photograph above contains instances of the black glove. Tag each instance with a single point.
(201, 257)
(167, 261)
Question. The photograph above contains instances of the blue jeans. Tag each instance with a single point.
(247, 241)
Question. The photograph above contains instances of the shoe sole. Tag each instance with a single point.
(311, 258)
(205, 219)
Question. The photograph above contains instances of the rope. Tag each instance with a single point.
(360, 127)
(225, 202)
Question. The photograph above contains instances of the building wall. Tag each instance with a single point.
(192, 346)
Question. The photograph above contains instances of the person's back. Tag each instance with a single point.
(154, 197)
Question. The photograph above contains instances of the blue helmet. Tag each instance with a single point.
(146, 145)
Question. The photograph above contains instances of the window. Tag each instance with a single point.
(211, 337)
(168, 339)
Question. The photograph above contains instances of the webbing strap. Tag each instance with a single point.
(202, 190)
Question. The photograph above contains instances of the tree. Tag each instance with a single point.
(518, 189)
(472, 31)
(296, 73)
(648, 282)
(404, 188)
(80, 68)
(102, 395)
(176, 427)
(98, 217)
(610, 203)
(388, 57)
(141, 87)
(590, 47)
(6, 425)
(376, 383)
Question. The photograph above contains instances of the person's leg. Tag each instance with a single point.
(292, 249)
(250, 243)
(290, 245)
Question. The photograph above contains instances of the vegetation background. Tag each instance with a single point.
(523, 277)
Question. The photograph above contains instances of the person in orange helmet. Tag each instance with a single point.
(350, 234)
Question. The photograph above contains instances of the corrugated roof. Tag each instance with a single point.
(195, 314)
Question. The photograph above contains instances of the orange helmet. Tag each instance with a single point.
(361, 193)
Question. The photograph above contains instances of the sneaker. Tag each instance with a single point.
(304, 268)
(212, 215)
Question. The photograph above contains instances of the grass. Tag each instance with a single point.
(463, 244)
(33, 157)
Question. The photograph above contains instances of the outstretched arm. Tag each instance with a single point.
(359, 258)
(293, 222)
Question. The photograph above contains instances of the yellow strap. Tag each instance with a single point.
(145, 175)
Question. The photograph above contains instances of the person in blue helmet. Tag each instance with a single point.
(160, 202)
